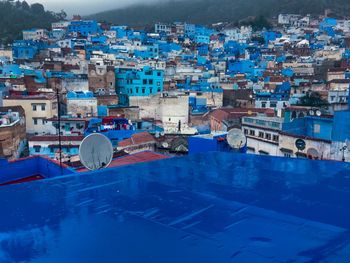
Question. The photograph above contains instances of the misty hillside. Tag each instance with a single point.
(17, 15)
(211, 11)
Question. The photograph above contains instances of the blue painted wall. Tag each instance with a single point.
(19, 169)
(132, 82)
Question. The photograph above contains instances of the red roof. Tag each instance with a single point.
(140, 157)
(137, 138)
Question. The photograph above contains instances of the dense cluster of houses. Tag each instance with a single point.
(153, 90)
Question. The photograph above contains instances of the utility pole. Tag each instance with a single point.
(343, 149)
(59, 126)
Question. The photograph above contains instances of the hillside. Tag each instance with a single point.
(16, 16)
(211, 11)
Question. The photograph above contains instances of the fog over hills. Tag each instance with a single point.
(211, 11)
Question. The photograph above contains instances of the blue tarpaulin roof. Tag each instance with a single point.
(211, 207)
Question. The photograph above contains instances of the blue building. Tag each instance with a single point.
(84, 27)
(310, 126)
(151, 50)
(210, 143)
(138, 82)
(26, 49)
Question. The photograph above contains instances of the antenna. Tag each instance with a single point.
(236, 139)
(96, 151)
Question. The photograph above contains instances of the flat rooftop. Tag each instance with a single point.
(211, 207)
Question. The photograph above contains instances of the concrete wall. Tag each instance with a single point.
(288, 142)
(169, 110)
(82, 107)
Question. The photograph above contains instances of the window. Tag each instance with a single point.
(252, 132)
(43, 107)
(150, 81)
(35, 121)
(37, 149)
(150, 90)
(144, 81)
(137, 90)
(34, 107)
(143, 90)
(273, 104)
(287, 155)
(263, 105)
(158, 74)
(245, 131)
(261, 134)
(267, 136)
(158, 83)
(317, 128)
(275, 138)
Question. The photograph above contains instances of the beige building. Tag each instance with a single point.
(37, 109)
(12, 132)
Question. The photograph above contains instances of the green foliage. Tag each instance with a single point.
(17, 16)
(313, 99)
(258, 23)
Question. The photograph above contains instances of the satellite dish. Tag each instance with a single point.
(96, 151)
(318, 113)
(313, 152)
(311, 113)
(236, 139)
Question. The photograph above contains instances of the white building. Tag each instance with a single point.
(262, 134)
(34, 34)
(162, 28)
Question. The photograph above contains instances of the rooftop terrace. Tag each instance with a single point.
(212, 207)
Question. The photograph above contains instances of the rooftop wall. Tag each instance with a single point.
(11, 171)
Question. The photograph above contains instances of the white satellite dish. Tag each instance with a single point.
(96, 151)
(236, 139)
(318, 113)
(311, 113)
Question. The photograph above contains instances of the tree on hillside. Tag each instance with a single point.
(16, 16)
(313, 99)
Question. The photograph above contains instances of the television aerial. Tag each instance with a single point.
(96, 152)
(236, 139)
